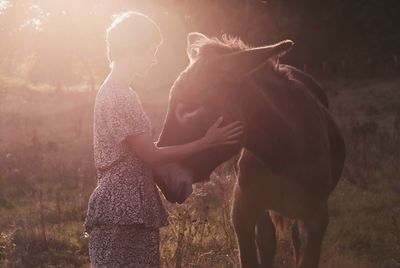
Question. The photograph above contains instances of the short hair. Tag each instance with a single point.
(130, 32)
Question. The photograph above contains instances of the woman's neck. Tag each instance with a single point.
(120, 75)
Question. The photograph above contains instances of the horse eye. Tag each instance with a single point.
(184, 112)
(187, 108)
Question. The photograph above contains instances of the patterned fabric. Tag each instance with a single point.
(125, 192)
(117, 114)
(124, 247)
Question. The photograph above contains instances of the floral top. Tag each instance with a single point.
(125, 192)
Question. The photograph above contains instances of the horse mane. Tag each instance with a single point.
(215, 46)
(228, 44)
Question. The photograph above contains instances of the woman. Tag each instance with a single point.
(125, 211)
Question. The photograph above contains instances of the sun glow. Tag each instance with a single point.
(4, 4)
(62, 43)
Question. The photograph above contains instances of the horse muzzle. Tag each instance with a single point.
(175, 182)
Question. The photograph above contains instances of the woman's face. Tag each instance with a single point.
(143, 62)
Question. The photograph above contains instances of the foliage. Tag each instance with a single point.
(62, 42)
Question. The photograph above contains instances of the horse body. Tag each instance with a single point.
(290, 159)
(290, 172)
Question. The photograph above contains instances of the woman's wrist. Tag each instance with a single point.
(203, 144)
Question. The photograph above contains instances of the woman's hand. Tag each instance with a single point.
(143, 144)
(229, 134)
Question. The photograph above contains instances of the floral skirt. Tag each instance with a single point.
(124, 246)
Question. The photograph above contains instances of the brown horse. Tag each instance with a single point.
(291, 156)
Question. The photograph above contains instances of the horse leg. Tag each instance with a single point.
(313, 230)
(266, 240)
(244, 217)
(296, 242)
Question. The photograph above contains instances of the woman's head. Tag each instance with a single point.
(133, 39)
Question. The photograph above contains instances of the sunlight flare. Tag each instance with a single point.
(4, 4)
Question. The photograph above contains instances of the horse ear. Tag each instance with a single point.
(193, 41)
(241, 63)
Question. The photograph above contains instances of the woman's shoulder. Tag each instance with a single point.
(113, 92)
(114, 88)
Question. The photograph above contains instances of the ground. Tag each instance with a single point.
(47, 176)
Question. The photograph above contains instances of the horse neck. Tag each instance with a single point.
(268, 129)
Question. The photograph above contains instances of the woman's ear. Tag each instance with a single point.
(194, 39)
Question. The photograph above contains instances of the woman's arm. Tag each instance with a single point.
(155, 156)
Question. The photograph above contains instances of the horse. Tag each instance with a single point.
(291, 155)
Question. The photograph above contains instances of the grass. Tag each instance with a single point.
(47, 175)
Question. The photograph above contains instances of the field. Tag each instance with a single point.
(47, 175)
